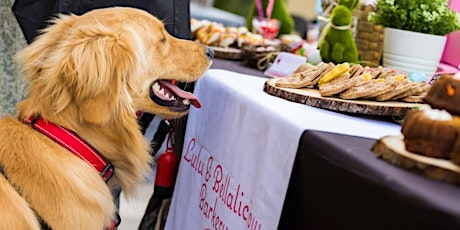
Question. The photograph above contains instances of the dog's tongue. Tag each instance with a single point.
(181, 93)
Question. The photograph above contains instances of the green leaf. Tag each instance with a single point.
(425, 16)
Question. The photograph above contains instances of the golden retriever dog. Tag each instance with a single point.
(89, 75)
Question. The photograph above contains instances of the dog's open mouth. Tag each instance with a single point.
(165, 93)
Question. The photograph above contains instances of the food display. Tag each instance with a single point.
(260, 56)
(430, 140)
(268, 28)
(216, 34)
(431, 132)
(435, 131)
(445, 94)
(357, 82)
(239, 43)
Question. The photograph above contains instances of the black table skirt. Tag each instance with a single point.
(338, 183)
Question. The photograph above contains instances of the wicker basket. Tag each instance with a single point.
(368, 37)
(259, 57)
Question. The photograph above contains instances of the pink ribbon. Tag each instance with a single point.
(259, 9)
(268, 11)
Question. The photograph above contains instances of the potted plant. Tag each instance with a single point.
(415, 32)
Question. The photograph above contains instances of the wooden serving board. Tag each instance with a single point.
(393, 150)
(313, 98)
(226, 53)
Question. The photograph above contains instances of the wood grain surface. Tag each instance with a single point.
(393, 150)
(313, 98)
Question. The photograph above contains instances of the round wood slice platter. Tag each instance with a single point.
(393, 150)
(226, 53)
(313, 98)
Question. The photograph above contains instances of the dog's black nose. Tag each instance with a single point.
(209, 53)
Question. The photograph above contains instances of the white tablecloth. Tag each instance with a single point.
(239, 150)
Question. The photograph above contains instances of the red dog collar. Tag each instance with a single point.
(74, 144)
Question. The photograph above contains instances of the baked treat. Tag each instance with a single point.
(328, 68)
(383, 87)
(302, 79)
(337, 85)
(356, 70)
(455, 153)
(209, 34)
(368, 88)
(337, 71)
(388, 73)
(377, 71)
(359, 91)
(303, 67)
(414, 98)
(415, 89)
(195, 25)
(228, 37)
(445, 94)
(351, 82)
(401, 87)
(432, 132)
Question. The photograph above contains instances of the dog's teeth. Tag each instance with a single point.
(160, 91)
(170, 97)
(186, 102)
(156, 87)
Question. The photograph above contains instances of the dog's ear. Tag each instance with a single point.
(43, 63)
(34, 58)
(83, 62)
(103, 59)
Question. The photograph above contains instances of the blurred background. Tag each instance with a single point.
(236, 12)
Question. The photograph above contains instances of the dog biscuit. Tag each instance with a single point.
(363, 78)
(411, 91)
(354, 69)
(414, 98)
(402, 87)
(377, 71)
(337, 85)
(327, 68)
(337, 71)
(360, 91)
(388, 73)
(301, 79)
(303, 67)
(383, 86)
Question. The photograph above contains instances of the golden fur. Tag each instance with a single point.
(89, 74)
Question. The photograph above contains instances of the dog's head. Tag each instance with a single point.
(110, 63)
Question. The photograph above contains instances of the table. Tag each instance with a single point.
(275, 164)
(337, 183)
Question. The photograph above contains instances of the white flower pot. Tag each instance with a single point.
(411, 51)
